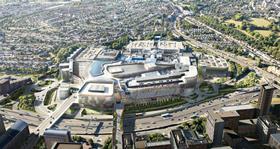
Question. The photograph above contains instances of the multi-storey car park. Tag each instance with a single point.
(143, 72)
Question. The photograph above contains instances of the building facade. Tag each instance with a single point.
(9, 84)
(15, 136)
(52, 136)
(265, 127)
(265, 98)
(214, 128)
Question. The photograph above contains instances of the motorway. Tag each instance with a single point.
(10, 116)
(144, 124)
(147, 123)
(104, 127)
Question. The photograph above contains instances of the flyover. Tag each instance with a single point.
(55, 116)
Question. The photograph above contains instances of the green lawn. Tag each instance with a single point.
(49, 96)
(261, 22)
(88, 111)
(43, 83)
(238, 23)
(264, 33)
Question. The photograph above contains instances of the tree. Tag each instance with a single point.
(199, 125)
(155, 137)
(238, 17)
(187, 124)
(108, 143)
(78, 139)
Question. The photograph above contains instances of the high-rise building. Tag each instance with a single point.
(2, 126)
(265, 127)
(52, 136)
(15, 136)
(265, 97)
(214, 128)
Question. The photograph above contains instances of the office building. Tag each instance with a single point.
(265, 127)
(52, 136)
(9, 84)
(15, 136)
(231, 119)
(274, 141)
(247, 128)
(265, 97)
(245, 111)
(232, 139)
(186, 139)
(214, 128)
(2, 126)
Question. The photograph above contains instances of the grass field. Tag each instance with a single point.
(238, 23)
(261, 22)
(264, 33)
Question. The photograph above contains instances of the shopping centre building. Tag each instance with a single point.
(144, 71)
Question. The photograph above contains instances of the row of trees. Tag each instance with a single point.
(120, 42)
(63, 53)
(134, 108)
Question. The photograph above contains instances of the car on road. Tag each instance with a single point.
(194, 116)
(166, 115)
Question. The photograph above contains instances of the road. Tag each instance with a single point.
(257, 52)
(40, 96)
(262, 55)
(10, 116)
(155, 122)
(54, 116)
(226, 55)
